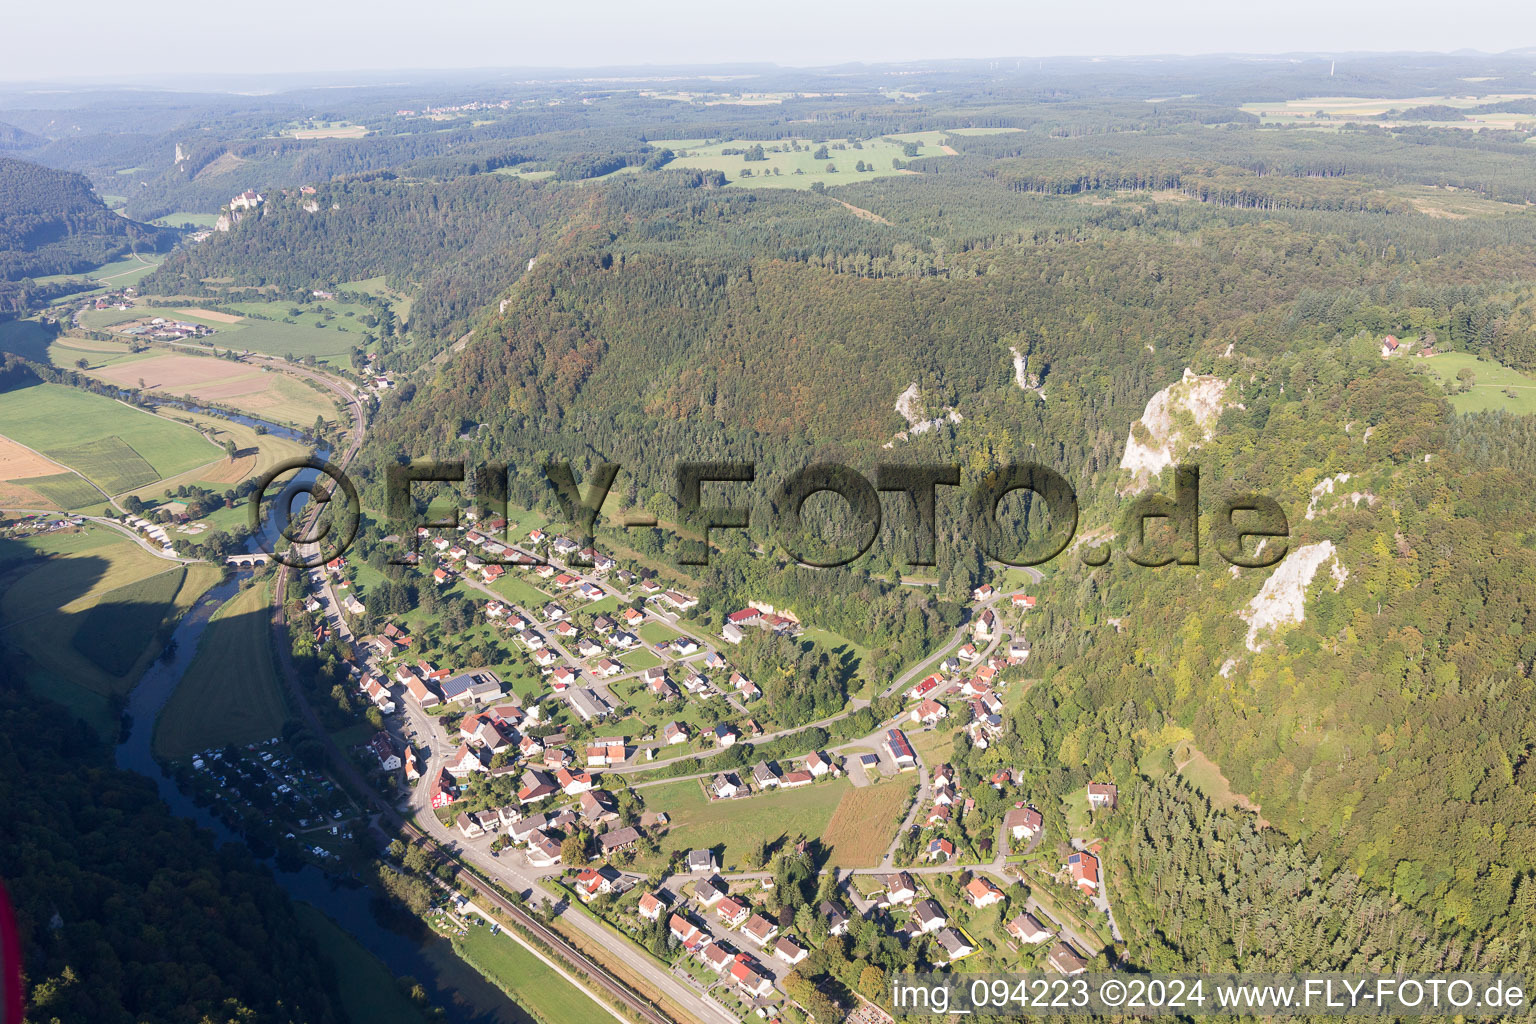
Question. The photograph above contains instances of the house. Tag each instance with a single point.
(522, 830)
(650, 907)
(717, 957)
(1023, 822)
(928, 917)
(724, 786)
(608, 668)
(715, 661)
(684, 646)
(653, 676)
(929, 712)
(682, 602)
(384, 750)
(750, 980)
(672, 734)
(937, 817)
(588, 648)
(968, 653)
(724, 735)
(440, 576)
(632, 616)
(625, 641)
(412, 763)
(940, 850)
(986, 624)
(606, 750)
(1084, 868)
(982, 893)
(1018, 651)
(763, 776)
(899, 888)
(603, 625)
(701, 860)
(469, 826)
(1389, 345)
(1102, 795)
(619, 839)
(982, 592)
(707, 893)
(597, 805)
(574, 783)
(1026, 928)
(374, 687)
(954, 945)
(944, 777)
(564, 546)
(442, 790)
(565, 629)
(1022, 600)
(796, 779)
(760, 929)
(926, 687)
(589, 706)
(732, 911)
(537, 786)
(419, 693)
(731, 634)
(820, 763)
(543, 852)
(544, 657)
(1063, 959)
(592, 883)
(483, 730)
(745, 617)
(465, 761)
(479, 685)
(900, 749)
(746, 689)
(562, 677)
(528, 746)
(836, 918)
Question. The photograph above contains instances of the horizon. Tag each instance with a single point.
(293, 39)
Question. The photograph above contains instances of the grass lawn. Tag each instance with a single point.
(654, 632)
(787, 167)
(510, 966)
(1074, 807)
(1493, 383)
(230, 693)
(181, 218)
(113, 632)
(113, 444)
(256, 453)
(26, 338)
(865, 822)
(516, 589)
(700, 822)
(934, 746)
(368, 990)
(48, 611)
(640, 659)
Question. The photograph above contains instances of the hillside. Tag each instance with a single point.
(51, 222)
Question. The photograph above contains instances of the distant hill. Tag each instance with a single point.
(13, 138)
(51, 222)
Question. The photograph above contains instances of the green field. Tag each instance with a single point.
(699, 822)
(181, 218)
(230, 693)
(48, 611)
(640, 659)
(1494, 386)
(328, 335)
(515, 588)
(26, 338)
(114, 631)
(66, 490)
(530, 981)
(786, 167)
(369, 992)
(115, 442)
(653, 632)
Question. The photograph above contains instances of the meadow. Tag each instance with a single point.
(1494, 386)
(533, 983)
(230, 693)
(768, 817)
(48, 610)
(368, 991)
(115, 446)
(264, 327)
(793, 163)
(267, 394)
(865, 822)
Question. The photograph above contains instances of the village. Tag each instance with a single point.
(583, 783)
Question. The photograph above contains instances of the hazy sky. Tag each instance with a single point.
(110, 38)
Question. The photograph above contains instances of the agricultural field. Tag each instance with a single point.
(1494, 386)
(79, 655)
(26, 338)
(254, 454)
(321, 330)
(1324, 111)
(793, 163)
(111, 444)
(181, 218)
(698, 821)
(31, 480)
(865, 822)
(533, 983)
(230, 693)
(267, 394)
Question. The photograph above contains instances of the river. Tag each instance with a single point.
(461, 992)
